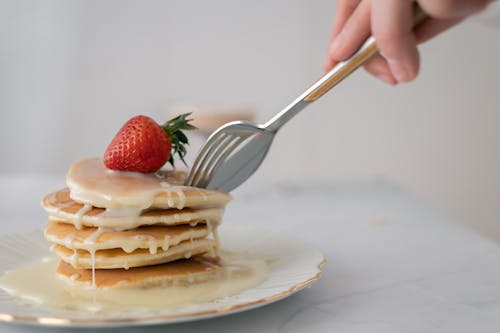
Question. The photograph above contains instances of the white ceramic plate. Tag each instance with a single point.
(299, 266)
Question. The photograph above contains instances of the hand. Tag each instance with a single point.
(390, 22)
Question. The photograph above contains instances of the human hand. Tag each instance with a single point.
(391, 23)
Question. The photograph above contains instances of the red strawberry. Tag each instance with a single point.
(144, 146)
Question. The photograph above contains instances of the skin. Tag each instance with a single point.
(390, 22)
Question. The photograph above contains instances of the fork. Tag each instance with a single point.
(235, 150)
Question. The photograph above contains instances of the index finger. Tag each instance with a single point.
(392, 27)
(343, 11)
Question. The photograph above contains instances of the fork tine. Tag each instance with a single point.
(210, 157)
(217, 159)
(211, 151)
(209, 145)
(214, 166)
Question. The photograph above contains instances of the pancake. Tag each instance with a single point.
(61, 207)
(196, 269)
(92, 183)
(120, 229)
(117, 258)
(150, 237)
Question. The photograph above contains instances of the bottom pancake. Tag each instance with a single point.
(182, 272)
(117, 258)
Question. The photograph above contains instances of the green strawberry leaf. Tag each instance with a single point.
(174, 128)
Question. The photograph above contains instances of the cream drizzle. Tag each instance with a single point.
(68, 240)
(59, 206)
(92, 239)
(92, 260)
(74, 259)
(127, 216)
(215, 233)
(79, 215)
(212, 227)
(181, 198)
(179, 192)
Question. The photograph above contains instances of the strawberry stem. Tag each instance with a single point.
(174, 128)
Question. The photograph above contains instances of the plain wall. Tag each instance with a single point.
(71, 72)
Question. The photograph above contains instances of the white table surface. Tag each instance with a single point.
(394, 264)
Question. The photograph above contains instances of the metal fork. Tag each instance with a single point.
(235, 150)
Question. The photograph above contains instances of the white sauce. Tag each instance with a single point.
(78, 216)
(92, 239)
(92, 260)
(126, 216)
(91, 182)
(38, 284)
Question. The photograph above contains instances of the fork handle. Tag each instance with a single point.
(339, 72)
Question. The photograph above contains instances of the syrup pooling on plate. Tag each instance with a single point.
(37, 284)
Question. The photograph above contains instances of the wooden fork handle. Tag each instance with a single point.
(343, 69)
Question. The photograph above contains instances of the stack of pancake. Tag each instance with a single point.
(171, 238)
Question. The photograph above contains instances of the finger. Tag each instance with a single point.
(329, 63)
(343, 11)
(355, 30)
(392, 27)
(431, 27)
(446, 9)
(379, 67)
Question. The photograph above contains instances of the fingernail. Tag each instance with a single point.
(398, 70)
(327, 66)
(386, 78)
(337, 42)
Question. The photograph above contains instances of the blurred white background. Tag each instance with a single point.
(71, 72)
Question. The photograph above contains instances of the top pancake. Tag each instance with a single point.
(90, 182)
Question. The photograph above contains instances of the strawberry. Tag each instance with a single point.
(144, 146)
